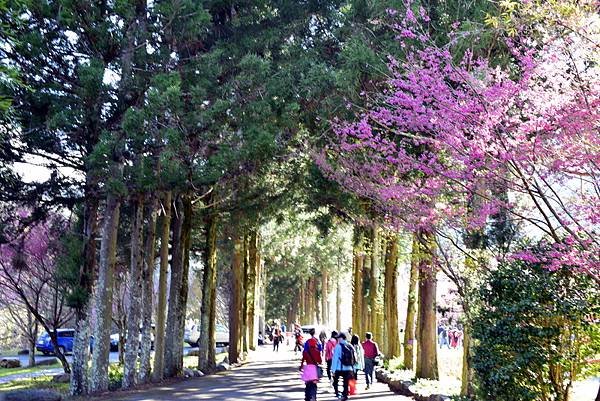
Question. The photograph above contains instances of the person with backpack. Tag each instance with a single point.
(342, 364)
(371, 350)
(359, 354)
(329, 347)
(312, 356)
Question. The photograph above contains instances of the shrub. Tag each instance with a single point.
(534, 330)
(115, 376)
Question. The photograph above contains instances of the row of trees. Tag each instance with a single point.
(470, 146)
(175, 129)
(163, 125)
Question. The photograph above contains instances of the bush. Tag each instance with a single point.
(533, 331)
(115, 376)
(393, 364)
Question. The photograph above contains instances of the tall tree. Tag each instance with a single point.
(391, 297)
(161, 307)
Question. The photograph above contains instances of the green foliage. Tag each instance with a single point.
(534, 331)
(115, 376)
(294, 249)
(69, 264)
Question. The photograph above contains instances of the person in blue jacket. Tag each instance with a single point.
(342, 366)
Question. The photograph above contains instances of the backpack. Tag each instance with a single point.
(348, 357)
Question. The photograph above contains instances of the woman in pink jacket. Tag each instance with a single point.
(329, 346)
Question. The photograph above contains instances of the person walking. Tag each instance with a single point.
(443, 336)
(329, 347)
(310, 374)
(342, 365)
(371, 350)
(360, 355)
(299, 340)
(276, 340)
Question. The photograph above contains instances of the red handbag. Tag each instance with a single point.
(352, 386)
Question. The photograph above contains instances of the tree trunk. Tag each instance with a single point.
(134, 296)
(148, 290)
(244, 295)
(357, 282)
(302, 311)
(173, 312)
(338, 304)
(427, 331)
(57, 350)
(186, 241)
(236, 300)
(467, 389)
(206, 360)
(324, 299)
(159, 338)
(365, 321)
(253, 276)
(374, 285)
(32, 337)
(312, 298)
(411, 308)
(81, 342)
(391, 297)
(104, 288)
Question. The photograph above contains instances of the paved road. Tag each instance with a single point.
(271, 376)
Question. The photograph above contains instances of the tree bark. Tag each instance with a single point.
(148, 290)
(104, 288)
(374, 284)
(32, 328)
(173, 312)
(324, 299)
(411, 308)
(244, 295)
(365, 321)
(235, 302)
(81, 342)
(467, 389)
(186, 240)
(301, 294)
(391, 297)
(427, 367)
(253, 274)
(134, 296)
(338, 304)
(357, 281)
(206, 360)
(159, 339)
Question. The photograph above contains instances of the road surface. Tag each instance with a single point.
(270, 376)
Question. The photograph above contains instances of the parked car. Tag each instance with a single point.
(192, 335)
(114, 340)
(65, 342)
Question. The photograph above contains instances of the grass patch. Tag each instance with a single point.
(35, 383)
(16, 371)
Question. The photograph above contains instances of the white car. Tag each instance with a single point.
(192, 335)
(114, 340)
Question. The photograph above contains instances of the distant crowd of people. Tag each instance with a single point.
(450, 336)
(343, 360)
